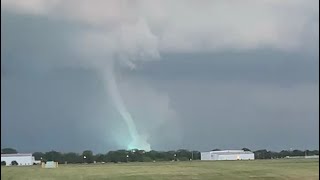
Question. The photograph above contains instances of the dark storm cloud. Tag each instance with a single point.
(261, 99)
(260, 66)
(258, 98)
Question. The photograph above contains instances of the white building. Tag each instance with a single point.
(227, 155)
(22, 159)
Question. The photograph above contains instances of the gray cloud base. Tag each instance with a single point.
(258, 98)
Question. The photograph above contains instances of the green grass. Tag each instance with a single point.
(258, 169)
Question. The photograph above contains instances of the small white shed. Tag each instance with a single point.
(22, 159)
(227, 155)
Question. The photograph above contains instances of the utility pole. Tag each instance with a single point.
(192, 155)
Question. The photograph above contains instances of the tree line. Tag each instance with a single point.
(136, 155)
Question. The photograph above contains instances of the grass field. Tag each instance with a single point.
(258, 169)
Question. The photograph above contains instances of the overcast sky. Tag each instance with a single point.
(193, 74)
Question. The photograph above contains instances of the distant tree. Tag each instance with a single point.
(262, 154)
(136, 155)
(297, 153)
(111, 156)
(314, 152)
(216, 150)
(53, 156)
(274, 155)
(184, 154)
(14, 163)
(38, 155)
(169, 155)
(87, 156)
(118, 156)
(307, 152)
(72, 158)
(100, 158)
(140, 156)
(147, 159)
(196, 155)
(3, 163)
(152, 154)
(246, 149)
(8, 151)
(284, 153)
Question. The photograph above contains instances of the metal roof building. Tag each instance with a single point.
(227, 155)
(22, 159)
